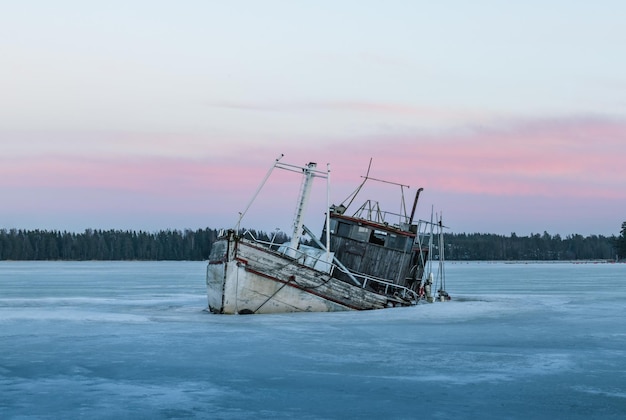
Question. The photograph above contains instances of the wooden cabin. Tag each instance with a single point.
(377, 250)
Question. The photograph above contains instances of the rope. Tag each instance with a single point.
(274, 294)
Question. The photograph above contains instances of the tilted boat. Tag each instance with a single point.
(361, 261)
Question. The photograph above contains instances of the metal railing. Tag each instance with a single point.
(389, 288)
(378, 285)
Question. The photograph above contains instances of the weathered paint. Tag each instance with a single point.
(255, 279)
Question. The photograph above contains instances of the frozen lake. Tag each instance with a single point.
(131, 340)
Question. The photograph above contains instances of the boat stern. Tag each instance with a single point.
(216, 275)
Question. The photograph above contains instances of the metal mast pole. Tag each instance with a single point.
(300, 210)
(328, 213)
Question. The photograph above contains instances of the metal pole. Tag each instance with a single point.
(300, 210)
(328, 213)
(269, 172)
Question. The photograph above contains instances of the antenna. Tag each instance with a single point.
(352, 196)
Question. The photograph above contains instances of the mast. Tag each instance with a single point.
(305, 193)
(417, 196)
(328, 212)
(442, 278)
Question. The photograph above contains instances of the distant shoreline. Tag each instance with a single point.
(195, 245)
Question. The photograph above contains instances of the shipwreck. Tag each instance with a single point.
(363, 259)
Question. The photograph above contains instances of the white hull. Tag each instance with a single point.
(253, 279)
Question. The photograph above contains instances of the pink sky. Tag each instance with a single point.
(562, 176)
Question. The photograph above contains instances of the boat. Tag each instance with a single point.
(362, 260)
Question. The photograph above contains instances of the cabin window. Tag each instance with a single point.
(378, 237)
(399, 242)
(360, 233)
(343, 229)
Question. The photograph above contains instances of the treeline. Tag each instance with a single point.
(190, 245)
(106, 245)
(545, 247)
(195, 245)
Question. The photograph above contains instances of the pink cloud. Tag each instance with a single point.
(541, 169)
(151, 174)
(578, 158)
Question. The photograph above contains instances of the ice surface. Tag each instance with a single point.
(131, 340)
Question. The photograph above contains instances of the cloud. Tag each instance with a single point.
(171, 176)
(576, 157)
(370, 107)
(570, 157)
(76, 192)
(556, 170)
